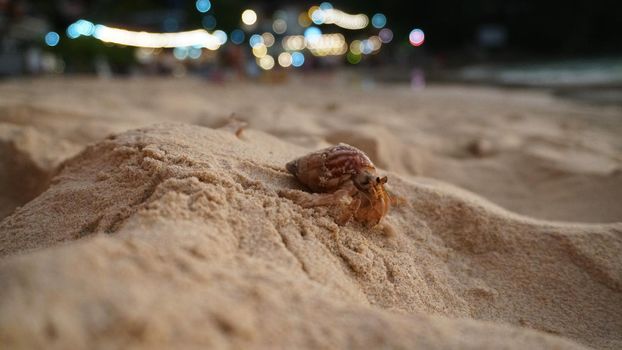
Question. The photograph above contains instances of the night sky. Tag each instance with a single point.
(550, 27)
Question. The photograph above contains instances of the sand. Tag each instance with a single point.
(131, 220)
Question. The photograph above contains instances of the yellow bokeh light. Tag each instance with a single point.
(304, 20)
(260, 50)
(355, 47)
(249, 17)
(311, 10)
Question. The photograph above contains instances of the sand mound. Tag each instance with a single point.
(524, 150)
(25, 170)
(184, 241)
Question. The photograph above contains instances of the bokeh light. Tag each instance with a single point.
(199, 37)
(294, 42)
(85, 27)
(237, 36)
(353, 58)
(366, 47)
(285, 59)
(328, 45)
(203, 5)
(72, 31)
(266, 62)
(379, 20)
(209, 22)
(298, 59)
(268, 39)
(221, 36)
(260, 50)
(180, 53)
(249, 17)
(312, 34)
(355, 47)
(416, 37)
(317, 16)
(279, 26)
(195, 53)
(303, 20)
(52, 39)
(80, 27)
(338, 18)
(255, 40)
(386, 35)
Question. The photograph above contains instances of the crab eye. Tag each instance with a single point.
(378, 180)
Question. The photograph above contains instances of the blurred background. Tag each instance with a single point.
(557, 44)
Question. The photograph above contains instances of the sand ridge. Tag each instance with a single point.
(175, 235)
(523, 150)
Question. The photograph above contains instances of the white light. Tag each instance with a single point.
(266, 62)
(285, 59)
(319, 45)
(198, 38)
(249, 17)
(294, 42)
(339, 18)
(221, 36)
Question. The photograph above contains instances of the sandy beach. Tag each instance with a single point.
(133, 216)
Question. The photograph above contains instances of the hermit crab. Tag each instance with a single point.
(345, 177)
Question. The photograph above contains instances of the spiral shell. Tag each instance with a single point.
(328, 169)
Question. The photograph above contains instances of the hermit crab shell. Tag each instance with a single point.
(327, 169)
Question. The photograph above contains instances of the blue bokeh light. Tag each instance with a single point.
(298, 59)
(255, 40)
(72, 31)
(181, 53)
(195, 53)
(203, 5)
(312, 33)
(379, 20)
(318, 17)
(209, 22)
(237, 36)
(52, 39)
